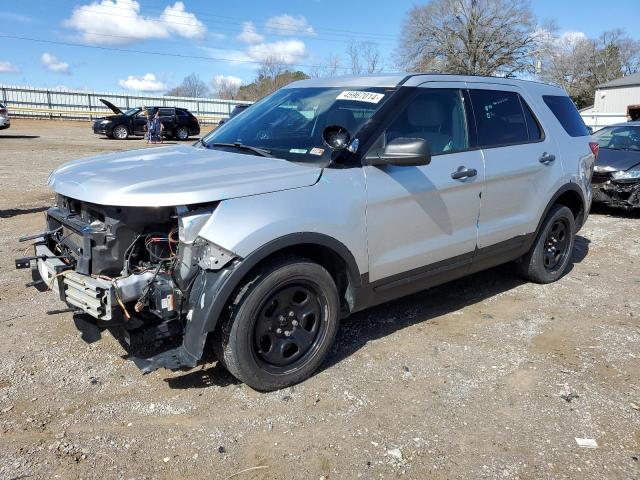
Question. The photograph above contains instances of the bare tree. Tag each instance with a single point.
(271, 76)
(329, 68)
(364, 57)
(226, 88)
(477, 37)
(579, 64)
(191, 86)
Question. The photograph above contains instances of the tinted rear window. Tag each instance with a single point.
(567, 114)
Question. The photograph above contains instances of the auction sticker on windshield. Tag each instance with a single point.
(369, 97)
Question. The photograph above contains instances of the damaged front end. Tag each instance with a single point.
(620, 189)
(140, 268)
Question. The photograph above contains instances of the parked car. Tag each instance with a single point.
(325, 198)
(5, 121)
(236, 110)
(616, 176)
(178, 123)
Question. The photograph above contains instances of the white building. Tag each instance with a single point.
(614, 102)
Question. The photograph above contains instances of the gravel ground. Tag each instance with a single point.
(464, 381)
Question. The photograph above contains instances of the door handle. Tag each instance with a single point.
(464, 172)
(547, 158)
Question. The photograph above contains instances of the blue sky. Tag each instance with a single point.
(229, 38)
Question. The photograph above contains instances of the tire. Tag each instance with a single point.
(120, 132)
(280, 324)
(550, 254)
(182, 133)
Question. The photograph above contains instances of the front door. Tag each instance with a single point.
(425, 215)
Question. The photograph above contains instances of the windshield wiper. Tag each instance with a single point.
(259, 151)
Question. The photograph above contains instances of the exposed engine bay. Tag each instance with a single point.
(127, 266)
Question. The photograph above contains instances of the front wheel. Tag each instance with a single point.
(550, 254)
(120, 132)
(182, 133)
(281, 325)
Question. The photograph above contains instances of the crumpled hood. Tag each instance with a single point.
(618, 159)
(176, 175)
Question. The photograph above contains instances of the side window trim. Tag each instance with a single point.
(525, 106)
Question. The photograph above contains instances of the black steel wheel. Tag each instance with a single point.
(556, 244)
(550, 255)
(281, 324)
(289, 326)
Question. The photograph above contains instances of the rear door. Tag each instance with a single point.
(420, 216)
(139, 123)
(522, 163)
(168, 118)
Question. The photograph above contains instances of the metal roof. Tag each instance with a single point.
(628, 81)
(391, 80)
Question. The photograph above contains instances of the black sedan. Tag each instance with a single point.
(177, 123)
(616, 176)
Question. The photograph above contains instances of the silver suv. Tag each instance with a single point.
(325, 198)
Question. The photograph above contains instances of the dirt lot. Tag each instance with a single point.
(463, 381)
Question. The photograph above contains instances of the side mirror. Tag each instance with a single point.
(403, 152)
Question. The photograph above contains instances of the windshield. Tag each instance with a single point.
(289, 123)
(626, 137)
(132, 111)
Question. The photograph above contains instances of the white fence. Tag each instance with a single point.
(82, 105)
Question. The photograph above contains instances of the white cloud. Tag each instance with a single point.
(572, 37)
(234, 57)
(53, 64)
(120, 22)
(223, 80)
(289, 25)
(286, 51)
(249, 34)
(146, 83)
(183, 23)
(6, 67)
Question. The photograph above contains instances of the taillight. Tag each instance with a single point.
(595, 148)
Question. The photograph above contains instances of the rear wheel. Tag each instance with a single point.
(182, 133)
(120, 132)
(550, 254)
(281, 325)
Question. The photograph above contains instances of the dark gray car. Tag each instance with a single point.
(616, 177)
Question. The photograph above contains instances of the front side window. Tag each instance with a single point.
(619, 138)
(435, 115)
(289, 123)
(500, 119)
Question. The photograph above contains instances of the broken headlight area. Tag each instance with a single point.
(126, 266)
(617, 191)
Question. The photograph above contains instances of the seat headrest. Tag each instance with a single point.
(341, 117)
(426, 113)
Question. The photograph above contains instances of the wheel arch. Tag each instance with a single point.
(571, 196)
(330, 253)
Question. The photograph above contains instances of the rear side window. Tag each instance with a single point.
(167, 112)
(567, 114)
(500, 119)
(182, 113)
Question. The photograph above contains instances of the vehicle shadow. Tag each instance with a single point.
(19, 136)
(423, 307)
(14, 212)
